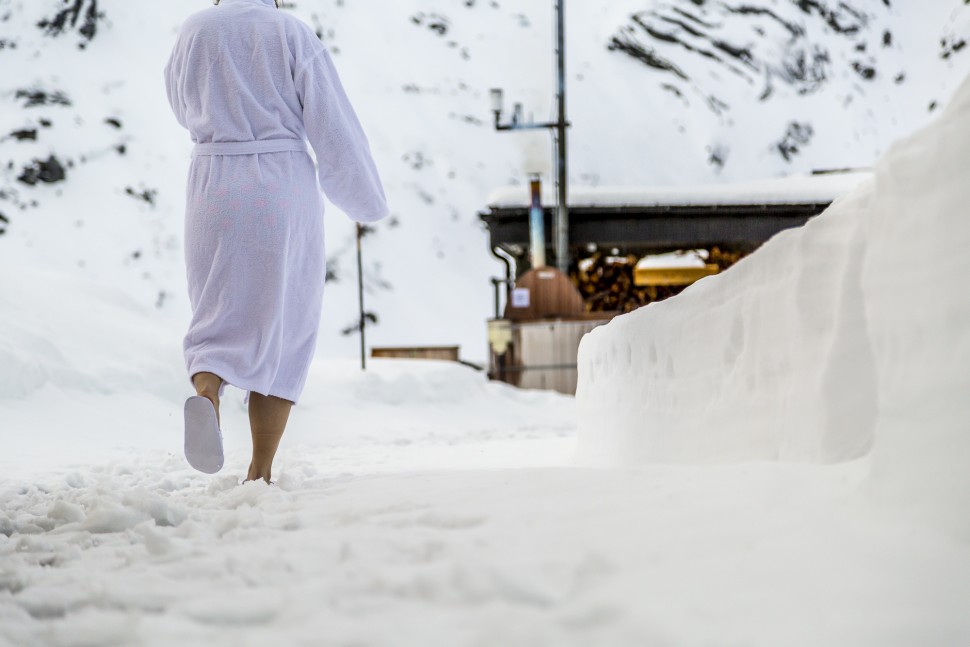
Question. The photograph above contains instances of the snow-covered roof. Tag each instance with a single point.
(796, 189)
(688, 259)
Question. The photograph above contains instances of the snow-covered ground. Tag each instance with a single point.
(142, 552)
(418, 504)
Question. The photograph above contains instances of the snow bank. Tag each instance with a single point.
(914, 277)
(77, 333)
(752, 364)
(849, 333)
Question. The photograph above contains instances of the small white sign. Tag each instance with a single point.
(521, 298)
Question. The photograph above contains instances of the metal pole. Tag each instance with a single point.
(562, 214)
(360, 291)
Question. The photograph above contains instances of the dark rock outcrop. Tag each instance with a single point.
(78, 15)
(47, 171)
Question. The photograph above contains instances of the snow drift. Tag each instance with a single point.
(843, 336)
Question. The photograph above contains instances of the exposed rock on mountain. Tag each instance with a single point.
(47, 171)
(802, 44)
(80, 16)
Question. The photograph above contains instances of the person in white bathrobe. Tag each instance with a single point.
(252, 84)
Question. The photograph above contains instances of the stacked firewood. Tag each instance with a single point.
(724, 258)
(607, 285)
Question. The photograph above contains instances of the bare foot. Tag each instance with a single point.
(267, 419)
(257, 475)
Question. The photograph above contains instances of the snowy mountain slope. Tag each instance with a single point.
(81, 96)
(832, 81)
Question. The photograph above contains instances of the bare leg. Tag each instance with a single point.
(267, 418)
(207, 385)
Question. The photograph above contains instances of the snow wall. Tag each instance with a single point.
(849, 335)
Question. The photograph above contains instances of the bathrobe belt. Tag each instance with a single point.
(250, 148)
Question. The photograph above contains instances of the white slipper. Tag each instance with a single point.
(203, 439)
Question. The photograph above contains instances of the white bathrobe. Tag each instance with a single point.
(251, 84)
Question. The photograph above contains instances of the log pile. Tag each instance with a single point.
(723, 258)
(607, 282)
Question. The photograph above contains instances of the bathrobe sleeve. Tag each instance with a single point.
(171, 86)
(346, 169)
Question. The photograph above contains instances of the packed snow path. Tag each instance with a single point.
(428, 526)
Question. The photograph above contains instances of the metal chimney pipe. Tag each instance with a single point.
(537, 224)
(562, 154)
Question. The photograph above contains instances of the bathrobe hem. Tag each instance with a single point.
(229, 379)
